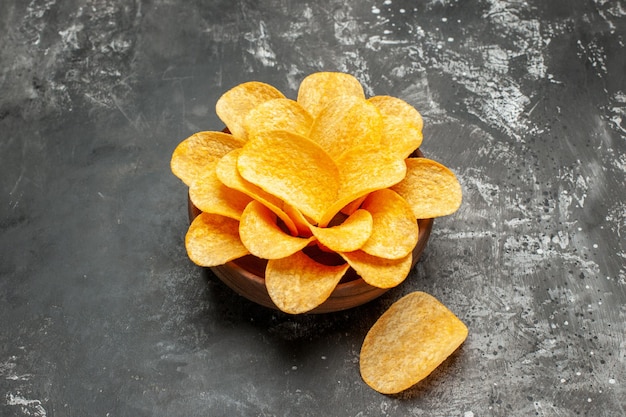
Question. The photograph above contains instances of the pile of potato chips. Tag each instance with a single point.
(317, 186)
(330, 172)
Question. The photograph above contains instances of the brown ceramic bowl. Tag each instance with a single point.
(246, 276)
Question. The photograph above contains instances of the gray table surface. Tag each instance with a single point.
(102, 313)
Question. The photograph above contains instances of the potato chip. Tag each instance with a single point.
(347, 122)
(191, 156)
(430, 188)
(235, 104)
(395, 231)
(262, 236)
(278, 114)
(347, 236)
(228, 174)
(402, 125)
(297, 284)
(362, 170)
(353, 206)
(409, 341)
(318, 89)
(210, 195)
(302, 223)
(292, 168)
(379, 272)
(214, 240)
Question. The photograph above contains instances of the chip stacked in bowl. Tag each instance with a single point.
(331, 171)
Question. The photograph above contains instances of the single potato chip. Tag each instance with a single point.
(263, 237)
(293, 168)
(278, 114)
(402, 125)
(347, 236)
(353, 206)
(379, 272)
(364, 169)
(409, 341)
(297, 284)
(302, 223)
(228, 174)
(214, 240)
(235, 104)
(430, 188)
(347, 122)
(395, 231)
(318, 89)
(210, 195)
(192, 155)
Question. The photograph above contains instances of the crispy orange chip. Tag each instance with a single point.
(297, 284)
(262, 236)
(210, 195)
(214, 240)
(278, 114)
(379, 272)
(395, 231)
(430, 188)
(402, 125)
(235, 104)
(302, 223)
(347, 122)
(353, 206)
(228, 173)
(409, 341)
(191, 156)
(364, 169)
(349, 235)
(293, 168)
(318, 89)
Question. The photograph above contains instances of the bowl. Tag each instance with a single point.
(245, 276)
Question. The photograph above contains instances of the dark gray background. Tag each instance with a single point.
(101, 312)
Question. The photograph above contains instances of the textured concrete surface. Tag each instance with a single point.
(102, 314)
